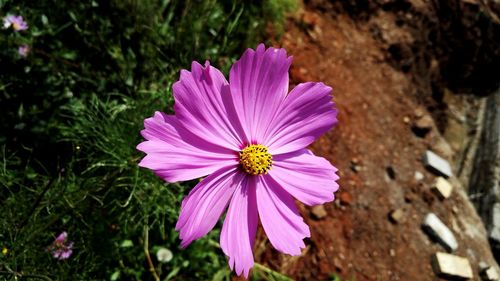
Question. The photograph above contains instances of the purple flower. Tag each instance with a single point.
(60, 248)
(17, 22)
(250, 136)
(23, 50)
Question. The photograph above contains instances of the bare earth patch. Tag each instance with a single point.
(373, 229)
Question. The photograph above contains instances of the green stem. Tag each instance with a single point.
(146, 252)
(271, 272)
(37, 202)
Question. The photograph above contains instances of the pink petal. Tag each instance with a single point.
(204, 107)
(259, 83)
(65, 254)
(57, 253)
(62, 237)
(204, 205)
(240, 225)
(168, 129)
(282, 223)
(306, 114)
(308, 178)
(174, 154)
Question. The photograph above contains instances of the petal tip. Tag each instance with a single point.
(261, 47)
(142, 163)
(185, 243)
(141, 145)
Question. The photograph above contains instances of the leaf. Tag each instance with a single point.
(126, 244)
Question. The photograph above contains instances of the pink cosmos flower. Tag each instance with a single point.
(17, 23)
(60, 249)
(250, 136)
(23, 50)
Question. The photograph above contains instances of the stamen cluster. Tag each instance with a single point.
(255, 159)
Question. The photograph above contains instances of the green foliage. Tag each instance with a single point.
(71, 115)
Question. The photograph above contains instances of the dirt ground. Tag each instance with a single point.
(377, 154)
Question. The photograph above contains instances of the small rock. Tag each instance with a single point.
(390, 172)
(392, 252)
(494, 233)
(494, 236)
(451, 266)
(355, 167)
(437, 164)
(419, 176)
(406, 120)
(338, 264)
(345, 198)
(482, 265)
(422, 126)
(435, 228)
(442, 188)
(319, 212)
(489, 273)
(397, 216)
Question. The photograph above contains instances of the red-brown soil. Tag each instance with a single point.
(377, 155)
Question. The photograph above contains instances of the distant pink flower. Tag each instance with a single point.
(250, 136)
(17, 22)
(60, 248)
(23, 50)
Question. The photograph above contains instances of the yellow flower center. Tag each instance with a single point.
(255, 159)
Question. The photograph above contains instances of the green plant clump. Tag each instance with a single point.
(71, 112)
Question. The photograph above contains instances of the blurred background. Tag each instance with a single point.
(414, 81)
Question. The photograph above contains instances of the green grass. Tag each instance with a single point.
(71, 115)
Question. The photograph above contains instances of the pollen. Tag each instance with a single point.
(256, 159)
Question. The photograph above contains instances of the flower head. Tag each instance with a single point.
(250, 136)
(17, 23)
(23, 50)
(61, 249)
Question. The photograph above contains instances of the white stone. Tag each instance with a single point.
(483, 266)
(438, 164)
(440, 232)
(442, 188)
(451, 266)
(489, 274)
(494, 233)
(419, 176)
